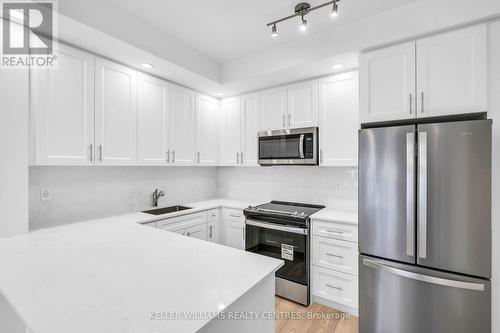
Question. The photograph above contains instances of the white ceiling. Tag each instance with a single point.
(223, 30)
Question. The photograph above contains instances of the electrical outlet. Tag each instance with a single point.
(45, 194)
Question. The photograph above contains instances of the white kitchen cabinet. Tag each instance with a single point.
(335, 254)
(441, 75)
(336, 287)
(62, 102)
(207, 130)
(339, 119)
(198, 231)
(230, 135)
(388, 84)
(153, 121)
(250, 105)
(235, 235)
(182, 125)
(213, 226)
(273, 109)
(302, 105)
(452, 73)
(115, 113)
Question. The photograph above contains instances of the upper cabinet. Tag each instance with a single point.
(388, 84)
(153, 121)
(436, 76)
(273, 109)
(339, 119)
(452, 73)
(62, 102)
(182, 125)
(207, 130)
(303, 105)
(115, 113)
(250, 105)
(230, 131)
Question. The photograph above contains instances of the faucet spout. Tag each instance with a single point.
(157, 194)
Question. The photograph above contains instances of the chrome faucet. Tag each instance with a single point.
(157, 195)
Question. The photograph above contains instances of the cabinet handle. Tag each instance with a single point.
(198, 157)
(283, 120)
(244, 231)
(210, 228)
(334, 232)
(321, 156)
(241, 157)
(289, 120)
(168, 156)
(173, 156)
(422, 101)
(411, 104)
(335, 255)
(189, 234)
(91, 153)
(100, 153)
(238, 216)
(334, 287)
(237, 158)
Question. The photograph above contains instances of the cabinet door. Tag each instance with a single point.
(303, 105)
(212, 232)
(339, 120)
(451, 73)
(153, 127)
(62, 102)
(230, 132)
(235, 235)
(116, 114)
(273, 109)
(182, 123)
(388, 84)
(249, 128)
(198, 231)
(207, 130)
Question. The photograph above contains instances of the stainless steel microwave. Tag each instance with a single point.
(288, 147)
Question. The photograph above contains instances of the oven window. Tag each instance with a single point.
(279, 147)
(268, 242)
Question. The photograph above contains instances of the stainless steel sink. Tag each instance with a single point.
(166, 210)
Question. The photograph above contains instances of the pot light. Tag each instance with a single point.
(303, 25)
(337, 66)
(220, 94)
(274, 32)
(147, 66)
(335, 10)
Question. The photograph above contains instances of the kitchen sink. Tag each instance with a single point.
(166, 210)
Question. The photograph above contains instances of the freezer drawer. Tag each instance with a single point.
(396, 298)
(454, 197)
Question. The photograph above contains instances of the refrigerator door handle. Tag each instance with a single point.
(422, 195)
(410, 194)
(423, 278)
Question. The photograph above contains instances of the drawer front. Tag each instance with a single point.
(213, 215)
(335, 254)
(342, 231)
(198, 231)
(180, 222)
(235, 215)
(335, 286)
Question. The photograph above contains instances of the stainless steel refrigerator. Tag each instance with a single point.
(425, 228)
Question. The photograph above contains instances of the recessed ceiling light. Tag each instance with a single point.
(148, 66)
(220, 94)
(337, 66)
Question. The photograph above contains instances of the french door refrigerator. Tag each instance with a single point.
(425, 228)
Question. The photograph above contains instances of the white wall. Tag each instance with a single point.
(494, 113)
(83, 193)
(334, 187)
(14, 136)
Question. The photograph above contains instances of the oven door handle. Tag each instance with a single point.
(266, 225)
(301, 146)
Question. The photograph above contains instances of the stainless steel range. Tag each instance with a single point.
(282, 230)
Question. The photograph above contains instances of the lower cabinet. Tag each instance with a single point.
(335, 265)
(213, 225)
(235, 228)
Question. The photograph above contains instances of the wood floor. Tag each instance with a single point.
(295, 318)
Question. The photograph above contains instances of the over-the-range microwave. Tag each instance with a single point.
(288, 147)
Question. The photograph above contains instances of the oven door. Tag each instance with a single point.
(285, 147)
(283, 242)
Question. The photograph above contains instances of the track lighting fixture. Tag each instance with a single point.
(302, 9)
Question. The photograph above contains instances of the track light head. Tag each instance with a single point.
(303, 24)
(274, 31)
(335, 10)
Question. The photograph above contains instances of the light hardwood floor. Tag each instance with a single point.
(295, 318)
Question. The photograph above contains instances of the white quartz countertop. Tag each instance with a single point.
(109, 275)
(336, 216)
